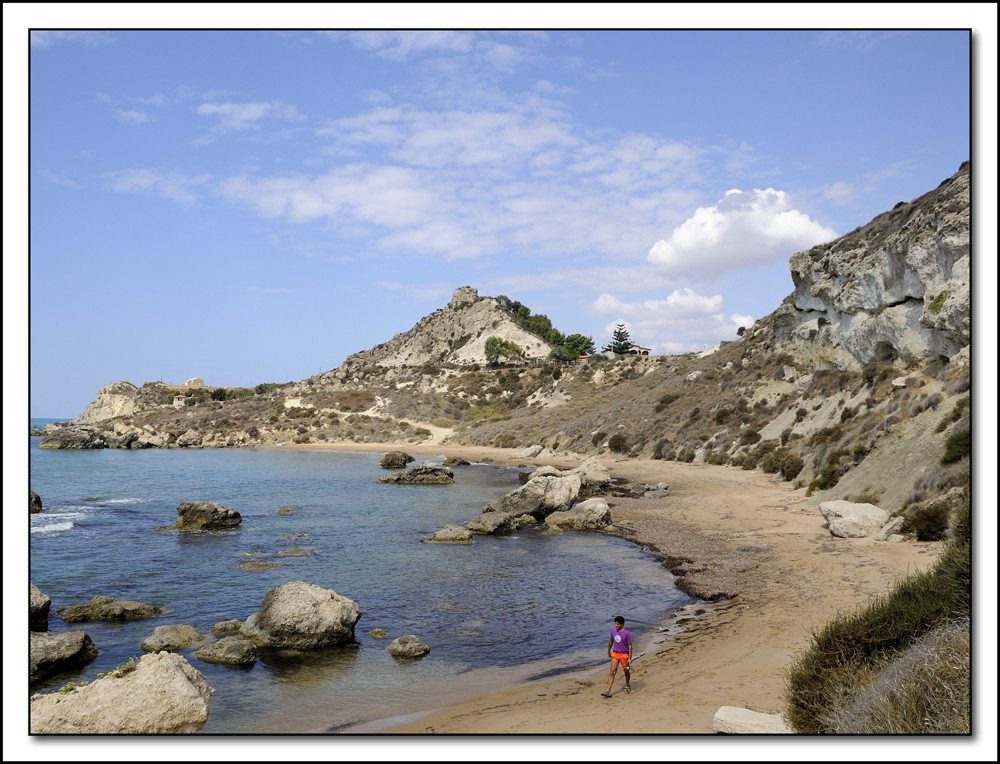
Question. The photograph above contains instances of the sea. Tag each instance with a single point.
(496, 613)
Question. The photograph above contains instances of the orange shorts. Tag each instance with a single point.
(622, 658)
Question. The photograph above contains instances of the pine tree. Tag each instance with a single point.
(621, 342)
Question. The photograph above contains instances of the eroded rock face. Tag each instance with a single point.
(396, 460)
(115, 400)
(895, 291)
(302, 616)
(163, 694)
(73, 436)
(542, 495)
(107, 609)
(50, 653)
(592, 514)
(38, 609)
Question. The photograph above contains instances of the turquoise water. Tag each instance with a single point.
(493, 612)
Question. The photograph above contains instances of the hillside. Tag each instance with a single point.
(857, 385)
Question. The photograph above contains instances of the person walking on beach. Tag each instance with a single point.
(620, 652)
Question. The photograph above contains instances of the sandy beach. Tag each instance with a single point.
(744, 534)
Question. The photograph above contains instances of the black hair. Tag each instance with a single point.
(619, 619)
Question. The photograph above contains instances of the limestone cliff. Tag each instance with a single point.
(456, 333)
(115, 400)
(894, 291)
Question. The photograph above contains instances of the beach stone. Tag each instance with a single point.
(540, 496)
(232, 626)
(302, 616)
(422, 474)
(379, 633)
(530, 452)
(206, 515)
(232, 650)
(593, 472)
(850, 520)
(890, 528)
(163, 694)
(408, 646)
(450, 534)
(51, 652)
(592, 514)
(492, 523)
(732, 720)
(395, 460)
(108, 609)
(34, 503)
(171, 637)
(38, 609)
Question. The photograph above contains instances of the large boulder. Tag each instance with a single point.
(38, 609)
(231, 650)
(34, 503)
(177, 636)
(408, 646)
(592, 472)
(422, 474)
(396, 460)
(733, 720)
(450, 534)
(162, 694)
(540, 496)
(850, 520)
(107, 609)
(592, 514)
(302, 616)
(493, 523)
(206, 515)
(190, 439)
(52, 652)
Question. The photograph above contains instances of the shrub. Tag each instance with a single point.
(749, 436)
(791, 466)
(928, 522)
(957, 447)
(666, 400)
(800, 415)
(598, 437)
(219, 394)
(618, 443)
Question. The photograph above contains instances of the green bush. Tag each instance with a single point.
(929, 522)
(791, 466)
(666, 400)
(598, 437)
(957, 446)
(618, 443)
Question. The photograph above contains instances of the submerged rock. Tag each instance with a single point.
(108, 609)
(232, 650)
(162, 694)
(172, 637)
(450, 534)
(408, 646)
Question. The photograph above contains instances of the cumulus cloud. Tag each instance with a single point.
(742, 230)
(682, 322)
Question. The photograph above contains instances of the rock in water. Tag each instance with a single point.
(302, 616)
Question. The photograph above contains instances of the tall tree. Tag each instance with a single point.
(621, 341)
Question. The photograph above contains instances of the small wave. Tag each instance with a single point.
(53, 527)
(122, 501)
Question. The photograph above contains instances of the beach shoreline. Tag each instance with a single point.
(758, 541)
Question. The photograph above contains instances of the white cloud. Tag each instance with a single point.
(175, 186)
(742, 230)
(840, 192)
(403, 45)
(59, 180)
(682, 322)
(131, 117)
(244, 116)
(43, 39)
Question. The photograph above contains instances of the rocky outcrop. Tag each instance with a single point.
(408, 646)
(493, 523)
(205, 516)
(107, 609)
(895, 291)
(302, 616)
(38, 609)
(454, 334)
(450, 534)
(396, 460)
(51, 653)
(232, 626)
(422, 474)
(231, 651)
(73, 437)
(163, 694)
(592, 514)
(172, 637)
(116, 400)
(849, 520)
(34, 503)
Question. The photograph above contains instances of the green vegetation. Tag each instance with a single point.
(566, 347)
(496, 347)
(937, 303)
(834, 679)
(618, 443)
(957, 446)
(621, 341)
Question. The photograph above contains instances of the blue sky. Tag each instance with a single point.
(254, 206)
